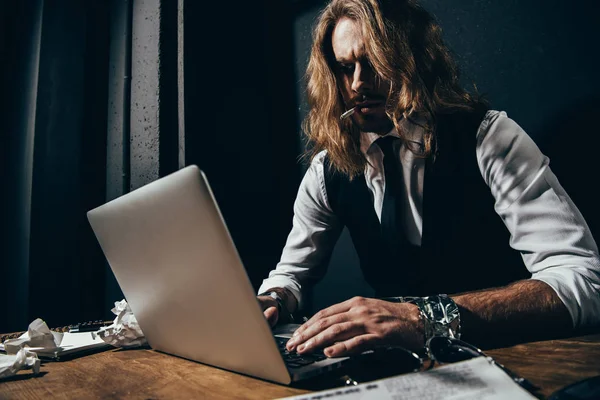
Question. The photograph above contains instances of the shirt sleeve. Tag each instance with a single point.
(315, 230)
(545, 225)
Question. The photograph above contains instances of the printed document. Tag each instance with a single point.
(475, 379)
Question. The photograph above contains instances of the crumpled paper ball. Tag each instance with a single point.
(125, 330)
(11, 364)
(38, 335)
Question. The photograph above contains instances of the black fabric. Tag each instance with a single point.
(465, 244)
(391, 221)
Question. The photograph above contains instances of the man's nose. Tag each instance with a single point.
(362, 79)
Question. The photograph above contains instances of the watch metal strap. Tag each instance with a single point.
(440, 314)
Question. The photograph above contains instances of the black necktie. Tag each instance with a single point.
(393, 196)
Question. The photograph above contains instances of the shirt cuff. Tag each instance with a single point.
(578, 293)
(285, 283)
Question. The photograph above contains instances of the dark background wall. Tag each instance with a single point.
(240, 120)
(232, 104)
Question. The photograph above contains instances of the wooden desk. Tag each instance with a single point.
(146, 374)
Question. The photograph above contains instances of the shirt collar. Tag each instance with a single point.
(412, 132)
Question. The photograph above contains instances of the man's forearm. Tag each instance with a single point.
(524, 310)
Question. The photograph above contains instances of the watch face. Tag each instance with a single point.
(441, 315)
(278, 300)
(445, 316)
(274, 295)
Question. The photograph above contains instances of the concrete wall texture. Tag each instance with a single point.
(145, 92)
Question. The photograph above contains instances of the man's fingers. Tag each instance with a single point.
(335, 333)
(272, 315)
(339, 308)
(311, 330)
(354, 345)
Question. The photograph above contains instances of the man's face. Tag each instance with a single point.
(356, 79)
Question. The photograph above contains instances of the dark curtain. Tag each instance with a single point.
(54, 76)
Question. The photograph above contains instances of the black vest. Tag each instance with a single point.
(464, 245)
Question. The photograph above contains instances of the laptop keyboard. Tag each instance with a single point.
(295, 360)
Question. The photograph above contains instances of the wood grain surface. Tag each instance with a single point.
(147, 374)
(136, 374)
(553, 364)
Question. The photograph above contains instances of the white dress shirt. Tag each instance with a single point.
(545, 226)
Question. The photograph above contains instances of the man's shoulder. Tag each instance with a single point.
(315, 168)
(322, 162)
(317, 163)
(497, 126)
(320, 158)
(490, 117)
(321, 172)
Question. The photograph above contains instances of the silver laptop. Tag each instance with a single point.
(173, 257)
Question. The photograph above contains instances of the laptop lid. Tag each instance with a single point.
(175, 262)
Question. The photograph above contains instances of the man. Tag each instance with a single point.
(440, 194)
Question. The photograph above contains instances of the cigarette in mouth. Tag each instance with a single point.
(347, 114)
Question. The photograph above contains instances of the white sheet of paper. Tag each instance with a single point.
(79, 339)
(474, 379)
(71, 343)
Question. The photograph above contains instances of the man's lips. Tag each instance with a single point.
(368, 106)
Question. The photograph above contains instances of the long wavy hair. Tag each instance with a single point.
(404, 45)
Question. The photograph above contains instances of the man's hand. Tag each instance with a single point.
(360, 324)
(269, 307)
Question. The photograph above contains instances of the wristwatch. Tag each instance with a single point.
(281, 308)
(440, 314)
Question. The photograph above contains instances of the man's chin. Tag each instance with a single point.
(377, 124)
